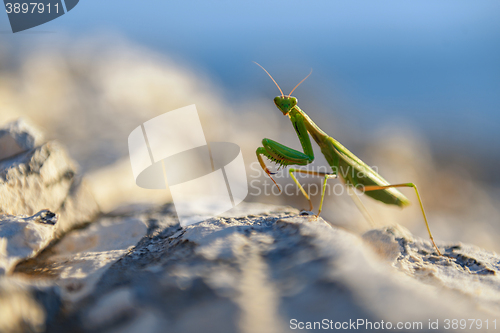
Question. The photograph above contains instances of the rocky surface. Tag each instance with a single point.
(465, 269)
(17, 137)
(255, 272)
(23, 237)
(25, 306)
(42, 177)
(64, 267)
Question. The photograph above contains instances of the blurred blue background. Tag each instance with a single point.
(433, 66)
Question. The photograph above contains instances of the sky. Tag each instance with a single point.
(432, 65)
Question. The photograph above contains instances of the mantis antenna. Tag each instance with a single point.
(282, 95)
(300, 82)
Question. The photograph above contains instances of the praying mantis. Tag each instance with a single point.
(351, 170)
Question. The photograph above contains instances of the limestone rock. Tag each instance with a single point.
(35, 180)
(41, 177)
(17, 137)
(23, 237)
(25, 307)
(79, 207)
(258, 269)
(80, 258)
(464, 269)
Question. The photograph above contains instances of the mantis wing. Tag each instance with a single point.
(356, 172)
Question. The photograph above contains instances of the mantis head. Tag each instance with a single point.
(285, 103)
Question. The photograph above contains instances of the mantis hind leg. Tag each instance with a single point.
(314, 173)
(376, 187)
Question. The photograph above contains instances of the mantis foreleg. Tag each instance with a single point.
(283, 155)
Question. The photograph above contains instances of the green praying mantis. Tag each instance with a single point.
(345, 165)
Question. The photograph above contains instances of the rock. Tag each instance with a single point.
(42, 177)
(79, 207)
(23, 237)
(17, 137)
(258, 269)
(25, 307)
(77, 261)
(465, 269)
(38, 179)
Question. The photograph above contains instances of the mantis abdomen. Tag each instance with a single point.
(358, 174)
